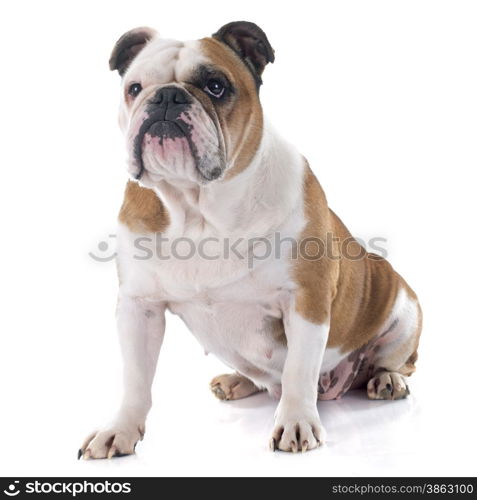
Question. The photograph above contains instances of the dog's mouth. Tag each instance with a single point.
(155, 127)
(175, 147)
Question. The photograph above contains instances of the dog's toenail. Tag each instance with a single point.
(273, 444)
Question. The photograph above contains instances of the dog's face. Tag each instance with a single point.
(190, 111)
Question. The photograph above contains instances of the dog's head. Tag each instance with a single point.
(190, 110)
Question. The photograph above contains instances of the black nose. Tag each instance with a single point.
(170, 96)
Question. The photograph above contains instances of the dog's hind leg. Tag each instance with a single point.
(387, 385)
(232, 386)
(395, 361)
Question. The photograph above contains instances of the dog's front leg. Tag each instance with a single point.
(297, 424)
(141, 325)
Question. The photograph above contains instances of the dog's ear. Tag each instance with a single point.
(128, 47)
(250, 43)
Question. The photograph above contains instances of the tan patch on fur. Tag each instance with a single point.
(367, 291)
(316, 279)
(355, 295)
(142, 211)
(241, 119)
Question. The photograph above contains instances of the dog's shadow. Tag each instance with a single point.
(354, 418)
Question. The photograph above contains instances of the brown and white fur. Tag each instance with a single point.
(285, 325)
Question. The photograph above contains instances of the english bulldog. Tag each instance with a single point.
(310, 316)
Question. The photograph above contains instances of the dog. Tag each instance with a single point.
(207, 168)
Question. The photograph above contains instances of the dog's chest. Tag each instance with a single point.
(239, 321)
(234, 311)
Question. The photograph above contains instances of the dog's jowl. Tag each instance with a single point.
(224, 224)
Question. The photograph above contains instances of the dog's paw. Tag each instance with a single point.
(297, 431)
(232, 386)
(388, 385)
(116, 440)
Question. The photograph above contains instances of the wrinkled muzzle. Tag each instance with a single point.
(172, 137)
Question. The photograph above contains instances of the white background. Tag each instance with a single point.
(381, 96)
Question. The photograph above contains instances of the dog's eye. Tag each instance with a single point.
(215, 88)
(134, 89)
